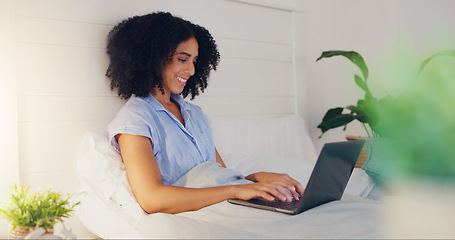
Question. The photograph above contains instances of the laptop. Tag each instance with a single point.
(327, 181)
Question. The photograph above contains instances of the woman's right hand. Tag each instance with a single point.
(268, 191)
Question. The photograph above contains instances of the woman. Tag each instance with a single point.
(156, 59)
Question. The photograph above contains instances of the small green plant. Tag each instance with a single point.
(24, 208)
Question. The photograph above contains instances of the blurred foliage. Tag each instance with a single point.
(422, 121)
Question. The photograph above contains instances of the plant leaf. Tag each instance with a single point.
(335, 122)
(443, 53)
(355, 57)
(359, 112)
(359, 81)
(332, 113)
(360, 102)
(356, 109)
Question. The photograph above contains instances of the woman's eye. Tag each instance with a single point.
(182, 60)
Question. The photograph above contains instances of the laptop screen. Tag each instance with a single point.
(331, 173)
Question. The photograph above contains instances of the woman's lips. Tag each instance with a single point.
(182, 80)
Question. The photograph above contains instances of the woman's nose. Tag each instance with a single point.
(190, 69)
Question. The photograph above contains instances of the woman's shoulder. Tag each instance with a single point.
(194, 107)
(135, 100)
(135, 109)
(139, 105)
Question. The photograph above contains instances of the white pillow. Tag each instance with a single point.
(284, 136)
(101, 171)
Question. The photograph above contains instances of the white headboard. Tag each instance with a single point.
(60, 64)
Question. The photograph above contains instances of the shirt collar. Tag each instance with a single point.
(176, 97)
(180, 101)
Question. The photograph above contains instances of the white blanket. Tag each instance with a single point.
(352, 217)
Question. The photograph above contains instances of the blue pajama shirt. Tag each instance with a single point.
(177, 148)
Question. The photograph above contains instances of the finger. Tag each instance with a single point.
(257, 190)
(284, 194)
(290, 184)
(298, 188)
(265, 195)
(275, 190)
(294, 193)
(268, 196)
(287, 192)
(295, 188)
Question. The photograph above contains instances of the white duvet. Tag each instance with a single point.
(352, 217)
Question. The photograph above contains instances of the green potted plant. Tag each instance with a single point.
(367, 110)
(24, 209)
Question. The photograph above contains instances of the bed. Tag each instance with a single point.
(279, 144)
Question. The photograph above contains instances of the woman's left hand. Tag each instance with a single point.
(284, 180)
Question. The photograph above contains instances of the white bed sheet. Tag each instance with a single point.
(110, 210)
(352, 217)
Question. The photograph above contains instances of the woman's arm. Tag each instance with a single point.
(219, 159)
(145, 179)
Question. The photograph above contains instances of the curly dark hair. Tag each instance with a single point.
(139, 47)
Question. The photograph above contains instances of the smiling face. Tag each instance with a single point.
(181, 68)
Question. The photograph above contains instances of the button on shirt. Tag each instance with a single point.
(177, 148)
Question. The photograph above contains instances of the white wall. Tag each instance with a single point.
(61, 60)
(9, 162)
(56, 89)
(393, 36)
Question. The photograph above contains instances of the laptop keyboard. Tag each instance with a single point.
(277, 203)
